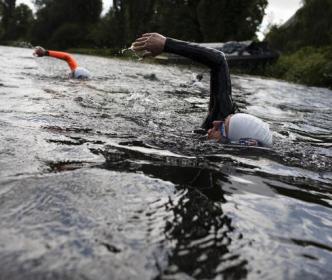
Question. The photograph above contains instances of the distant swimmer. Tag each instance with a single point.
(223, 123)
(76, 71)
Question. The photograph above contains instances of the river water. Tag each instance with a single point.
(105, 179)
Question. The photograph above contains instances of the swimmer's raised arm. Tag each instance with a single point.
(40, 52)
(221, 104)
(155, 43)
(64, 56)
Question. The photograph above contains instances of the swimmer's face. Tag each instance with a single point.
(214, 133)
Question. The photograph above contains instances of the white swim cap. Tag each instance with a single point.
(247, 126)
(81, 73)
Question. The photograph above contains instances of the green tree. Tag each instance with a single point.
(7, 11)
(310, 26)
(54, 16)
(138, 16)
(23, 20)
(16, 21)
(193, 20)
(178, 18)
(125, 20)
(230, 20)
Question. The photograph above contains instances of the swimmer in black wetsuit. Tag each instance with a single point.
(223, 123)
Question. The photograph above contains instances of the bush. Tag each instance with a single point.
(104, 52)
(66, 36)
(310, 66)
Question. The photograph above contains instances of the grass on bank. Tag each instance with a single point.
(104, 52)
(309, 66)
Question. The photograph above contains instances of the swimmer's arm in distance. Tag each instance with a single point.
(40, 52)
(64, 56)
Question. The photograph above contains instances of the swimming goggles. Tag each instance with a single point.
(222, 130)
(242, 141)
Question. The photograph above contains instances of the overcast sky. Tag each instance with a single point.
(278, 11)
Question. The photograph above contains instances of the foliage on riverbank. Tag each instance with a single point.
(306, 44)
(309, 27)
(104, 52)
(309, 66)
(63, 24)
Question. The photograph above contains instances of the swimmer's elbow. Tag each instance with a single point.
(68, 57)
(220, 58)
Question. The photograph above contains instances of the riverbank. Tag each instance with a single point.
(308, 66)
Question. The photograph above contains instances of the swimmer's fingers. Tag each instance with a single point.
(39, 51)
(141, 39)
(143, 46)
(148, 34)
(139, 44)
(152, 35)
(138, 48)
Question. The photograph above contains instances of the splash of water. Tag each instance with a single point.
(137, 54)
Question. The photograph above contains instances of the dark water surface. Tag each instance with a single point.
(104, 179)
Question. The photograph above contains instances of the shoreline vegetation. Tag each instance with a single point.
(305, 42)
(309, 66)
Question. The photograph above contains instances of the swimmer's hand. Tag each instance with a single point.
(39, 51)
(151, 43)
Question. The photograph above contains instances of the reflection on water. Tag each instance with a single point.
(105, 179)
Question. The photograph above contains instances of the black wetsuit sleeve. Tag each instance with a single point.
(221, 104)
